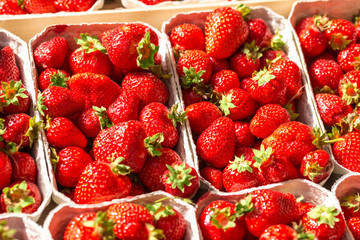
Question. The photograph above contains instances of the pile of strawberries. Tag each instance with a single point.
(267, 214)
(332, 51)
(128, 221)
(18, 131)
(240, 92)
(350, 205)
(110, 132)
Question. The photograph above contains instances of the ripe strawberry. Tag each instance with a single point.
(73, 5)
(201, 115)
(181, 180)
(340, 34)
(8, 68)
(136, 189)
(21, 197)
(187, 37)
(100, 182)
(219, 64)
(130, 46)
(246, 61)
(213, 176)
(89, 225)
(304, 208)
(155, 166)
(62, 133)
(92, 121)
(325, 73)
(354, 226)
(348, 87)
(14, 98)
(225, 32)
(190, 97)
(325, 222)
(53, 77)
(348, 58)
(23, 167)
(350, 205)
(152, 2)
(268, 118)
(147, 86)
(224, 80)
(68, 165)
(219, 220)
(125, 140)
(6, 170)
(216, 145)
(305, 23)
(97, 90)
(91, 56)
(312, 41)
(315, 166)
(259, 32)
(243, 135)
(124, 108)
(37, 6)
(346, 153)
(279, 231)
(11, 7)
(269, 55)
(332, 108)
(51, 53)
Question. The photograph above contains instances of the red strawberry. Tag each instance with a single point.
(152, 2)
(14, 98)
(68, 164)
(8, 68)
(312, 41)
(269, 55)
(62, 133)
(136, 189)
(348, 87)
(21, 197)
(348, 58)
(305, 23)
(187, 37)
(124, 212)
(73, 5)
(304, 207)
(246, 61)
(325, 73)
(97, 90)
(350, 205)
(354, 226)
(219, 64)
(279, 231)
(340, 34)
(225, 32)
(224, 80)
(259, 32)
(124, 108)
(243, 135)
(213, 176)
(147, 86)
(100, 182)
(51, 54)
(324, 222)
(219, 221)
(268, 118)
(6, 170)
(37, 6)
(11, 7)
(346, 153)
(89, 225)
(190, 97)
(125, 140)
(23, 167)
(315, 165)
(53, 77)
(216, 145)
(131, 43)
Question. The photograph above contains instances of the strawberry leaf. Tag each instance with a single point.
(58, 79)
(34, 129)
(17, 197)
(352, 202)
(244, 206)
(11, 92)
(338, 41)
(222, 218)
(313, 170)
(252, 51)
(191, 77)
(154, 234)
(146, 52)
(158, 210)
(103, 117)
(261, 155)
(117, 168)
(263, 76)
(240, 165)
(153, 143)
(226, 104)
(2, 129)
(325, 215)
(276, 42)
(244, 10)
(179, 176)
(90, 44)
(40, 104)
(176, 117)
(54, 158)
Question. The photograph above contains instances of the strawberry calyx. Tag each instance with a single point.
(244, 10)
(5, 232)
(240, 164)
(103, 117)
(244, 206)
(222, 218)
(356, 20)
(54, 158)
(225, 104)
(17, 197)
(33, 130)
(58, 79)
(40, 104)
(322, 139)
(252, 51)
(153, 143)
(117, 167)
(146, 52)
(179, 176)
(276, 42)
(325, 89)
(102, 225)
(157, 70)
(90, 44)
(324, 215)
(191, 77)
(262, 156)
(350, 122)
(2, 129)
(351, 202)
(11, 92)
(301, 233)
(338, 41)
(21, 3)
(263, 76)
(175, 116)
(206, 92)
(158, 210)
(293, 115)
(356, 63)
(271, 62)
(322, 22)
(313, 170)
(154, 234)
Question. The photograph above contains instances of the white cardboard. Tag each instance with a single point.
(26, 229)
(306, 107)
(22, 60)
(59, 217)
(139, 4)
(74, 30)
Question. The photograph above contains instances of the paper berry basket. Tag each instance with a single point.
(37, 151)
(71, 31)
(59, 217)
(140, 4)
(25, 228)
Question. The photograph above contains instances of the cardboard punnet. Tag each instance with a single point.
(26, 229)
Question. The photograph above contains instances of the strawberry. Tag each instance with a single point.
(97, 90)
(219, 64)
(100, 182)
(130, 46)
(6, 170)
(312, 41)
(147, 86)
(181, 180)
(269, 55)
(201, 115)
(259, 32)
(124, 108)
(348, 58)
(68, 165)
(213, 176)
(36, 6)
(14, 98)
(53, 77)
(305, 23)
(57, 101)
(7, 232)
(224, 80)
(136, 189)
(354, 226)
(89, 225)
(91, 56)
(11, 7)
(332, 108)
(324, 222)
(279, 231)
(325, 73)
(73, 5)
(225, 32)
(346, 153)
(152, 2)
(219, 220)
(268, 118)
(350, 205)
(8, 68)
(216, 145)
(348, 87)
(155, 166)
(340, 34)
(304, 207)
(190, 97)
(62, 133)
(125, 140)
(243, 135)
(315, 166)
(51, 53)
(21, 197)
(187, 37)
(23, 167)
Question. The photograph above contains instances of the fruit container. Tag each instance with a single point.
(59, 217)
(302, 9)
(140, 4)
(37, 151)
(73, 30)
(25, 228)
(305, 104)
(310, 191)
